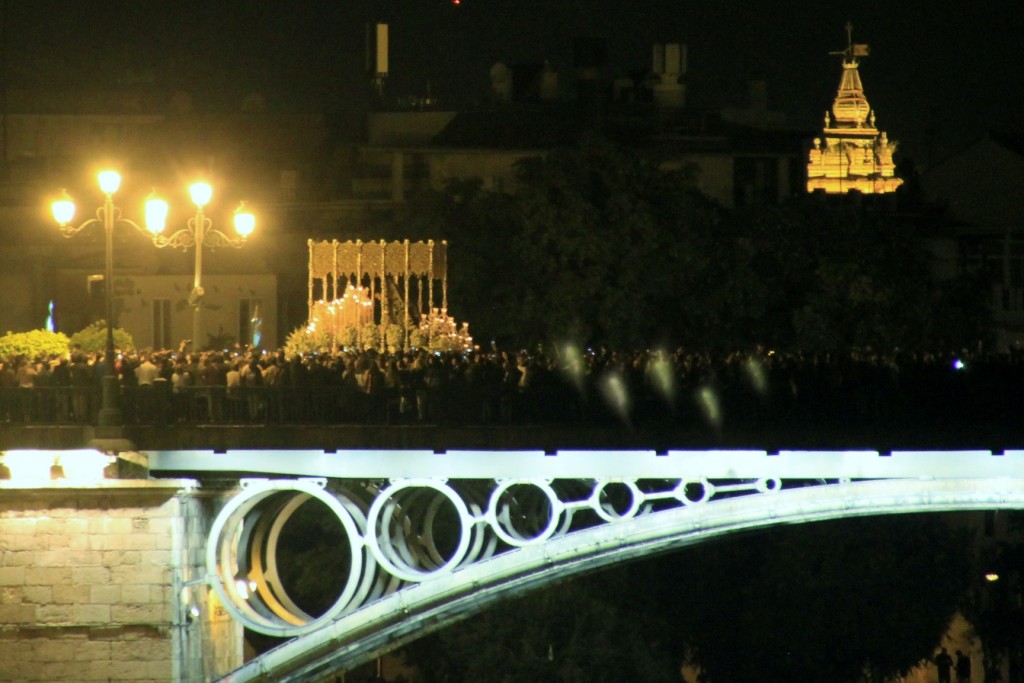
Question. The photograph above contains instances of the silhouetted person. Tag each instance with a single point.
(944, 663)
(963, 668)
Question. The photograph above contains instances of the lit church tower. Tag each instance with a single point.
(854, 154)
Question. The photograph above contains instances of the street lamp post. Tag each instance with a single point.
(108, 216)
(199, 232)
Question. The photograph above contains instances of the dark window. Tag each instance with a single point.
(162, 323)
(755, 181)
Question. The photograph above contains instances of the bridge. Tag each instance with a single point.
(523, 519)
(437, 520)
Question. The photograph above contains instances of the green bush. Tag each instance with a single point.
(349, 337)
(33, 343)
(301, 342)
(93, 338)
(395, 337)
(418, 339)
(370, 336)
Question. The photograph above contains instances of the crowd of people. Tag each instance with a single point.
(596, 386)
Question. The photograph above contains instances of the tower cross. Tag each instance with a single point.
(853, 50)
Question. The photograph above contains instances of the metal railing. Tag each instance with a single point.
(158, 405)
(946, 401)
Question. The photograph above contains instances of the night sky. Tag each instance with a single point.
(939, 73)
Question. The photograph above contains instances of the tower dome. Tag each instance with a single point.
(850, 106)
(852, 154)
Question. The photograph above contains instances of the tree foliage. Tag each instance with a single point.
(835, 275)
(33, 343)
(93, 338)
(303, 340)
(602, 245)
(615, 249)
(480, 226)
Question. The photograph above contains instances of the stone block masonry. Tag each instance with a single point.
(86, 576)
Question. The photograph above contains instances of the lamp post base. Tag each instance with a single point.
(110, 410)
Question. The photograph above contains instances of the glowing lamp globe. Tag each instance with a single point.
(156, 215)
(110, 181)
(245, 222)
(201, 194)
(63, 209)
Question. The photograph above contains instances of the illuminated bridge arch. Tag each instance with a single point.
(517, 533)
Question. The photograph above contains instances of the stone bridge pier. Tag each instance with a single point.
(96, 581)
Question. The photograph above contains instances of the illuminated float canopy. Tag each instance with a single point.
(852, 154)
(381, 295)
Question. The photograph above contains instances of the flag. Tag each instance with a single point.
(861, 50)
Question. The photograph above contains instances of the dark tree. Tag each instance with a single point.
(616, 250)
(834, 275)
(598, 245)
(601, 245)
(484, 278)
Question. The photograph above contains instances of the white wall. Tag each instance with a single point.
(220, 305)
